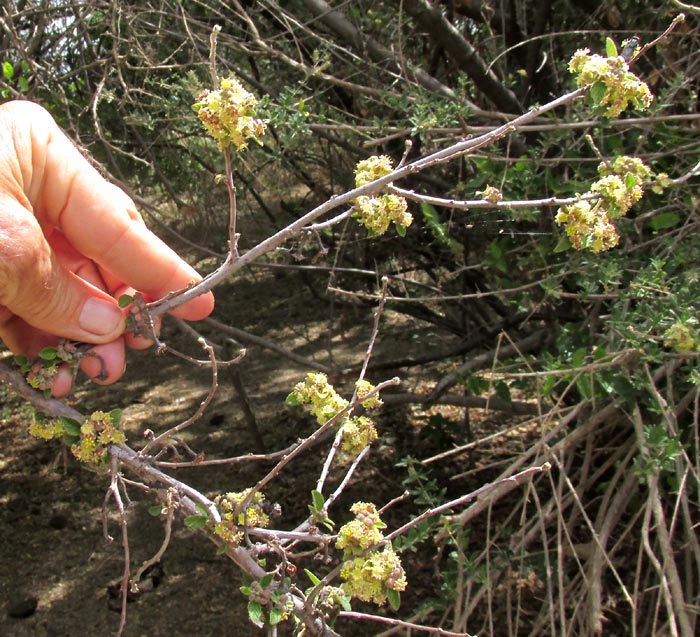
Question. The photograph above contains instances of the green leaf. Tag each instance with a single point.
(23, 84)
(584, 385)
(125, 300)
(562, 245)
(578, 357)
(314, 580)
(116, 416)
(430, 214)
(400, 230)
(276, 616)
(23, 363)
(266, 580)
(48, 353)
(246, 590)
(196, 521)
(155, 510)
(70, 426)
(503, 391)
(221, 549)
(394, 598)
(318, 500)
(495, 257)
(292, 400)
(8, 70)
(256, 614)
(610, 48)
(598, 91)
(664, 220)
(70, 440)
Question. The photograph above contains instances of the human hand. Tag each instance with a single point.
(70, 244)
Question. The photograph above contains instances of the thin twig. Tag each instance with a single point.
(171, 505)
(200, 410)
(400, 623)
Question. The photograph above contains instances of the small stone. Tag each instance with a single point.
(22, 608)
(58, 521)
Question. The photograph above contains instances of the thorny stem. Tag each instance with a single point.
(466, 205)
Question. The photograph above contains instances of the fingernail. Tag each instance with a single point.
(100, 317)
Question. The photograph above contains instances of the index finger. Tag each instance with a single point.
(99, 219)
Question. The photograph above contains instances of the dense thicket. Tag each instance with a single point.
(506, 318)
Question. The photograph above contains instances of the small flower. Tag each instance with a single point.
(228, 114)
(97, 433)
(358, 433)
(41, 376)
(680, 337)
(378, 212)
(371, 169)
(660, 182)
(620, 186)
(588, 227)
(46, 430)
(364, 387)
(363, 532)
(325, 401)
(490, 194)
(253, 515)
(370, 578)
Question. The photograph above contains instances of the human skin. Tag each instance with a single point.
(71, 244)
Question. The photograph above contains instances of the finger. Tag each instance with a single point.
(36, 287)
(99, 219)
(105, 364)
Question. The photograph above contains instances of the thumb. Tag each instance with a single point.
(35, 286)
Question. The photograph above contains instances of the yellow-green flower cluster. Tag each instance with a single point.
(370, 578)
(659, 183)
(361, 533)
(315, 389)
(41, 376)
(368, 574)
(620, 184)
(358, 433)
(228, 114)
(46, 430)
(364, 387)
(681, 338)
(378, 212)
(620, 85)
(371, 169)
(332, 599)
(41, 372)
(232, 518)
(491, 194)
(97, 433)
(590, 225)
